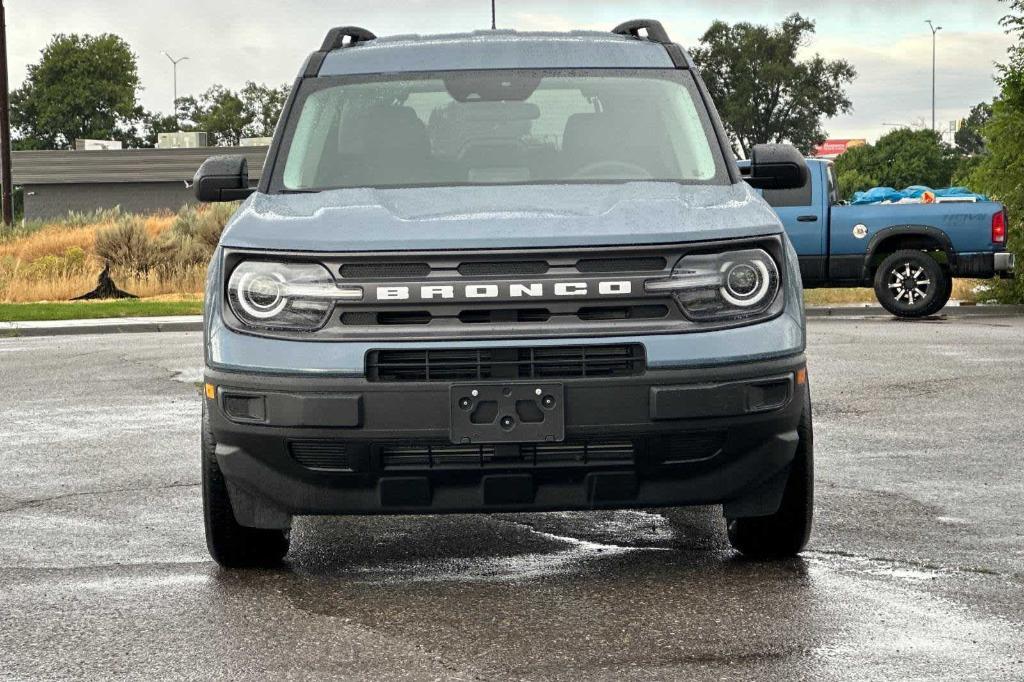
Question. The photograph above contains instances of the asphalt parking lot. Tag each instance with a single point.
(915, 570)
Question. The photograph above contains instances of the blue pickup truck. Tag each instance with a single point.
(909, 253)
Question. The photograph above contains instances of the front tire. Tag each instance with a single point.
(786, 532)
(232, 545)
(912, 284)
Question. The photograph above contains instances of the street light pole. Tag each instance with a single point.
(175, 63)
(6, 186)
(935, 31)
(494, 16)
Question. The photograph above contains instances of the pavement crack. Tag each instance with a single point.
(38, 502)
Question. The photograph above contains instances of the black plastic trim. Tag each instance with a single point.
(698, 456)
(927, 231)
(975, 265)
(655, 30)
(335, 39)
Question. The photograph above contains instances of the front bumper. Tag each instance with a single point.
(323, 445)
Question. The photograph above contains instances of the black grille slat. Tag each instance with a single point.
(547, 362)
(503, 268)
(644, 264)
(422, 456)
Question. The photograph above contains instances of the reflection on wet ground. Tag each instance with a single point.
(914, 571)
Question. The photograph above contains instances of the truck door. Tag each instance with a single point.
(804, 213)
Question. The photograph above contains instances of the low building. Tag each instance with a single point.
(137, 180)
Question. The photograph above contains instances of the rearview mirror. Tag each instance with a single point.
(777, 166)
(223, 178)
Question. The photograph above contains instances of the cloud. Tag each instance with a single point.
(232, 41)
(894, 78)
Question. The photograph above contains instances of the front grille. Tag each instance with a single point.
(316, 454)
(569, 292)
(472, 364)
(442, 455)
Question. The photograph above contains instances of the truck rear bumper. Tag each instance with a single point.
(319, 445)
(984, 265)
(1004, 264)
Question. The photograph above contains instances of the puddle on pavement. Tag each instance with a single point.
(633, 529)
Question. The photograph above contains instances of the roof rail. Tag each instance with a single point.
(335, 39)
(655, 31)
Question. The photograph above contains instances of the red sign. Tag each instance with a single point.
(833, 148)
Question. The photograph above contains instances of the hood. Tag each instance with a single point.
(493, 217)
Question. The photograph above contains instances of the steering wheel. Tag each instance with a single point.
(616, 170)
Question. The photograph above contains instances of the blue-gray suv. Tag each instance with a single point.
(503, 272)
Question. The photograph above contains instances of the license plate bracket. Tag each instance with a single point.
(507, 413)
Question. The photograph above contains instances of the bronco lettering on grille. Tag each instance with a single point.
(504, 290)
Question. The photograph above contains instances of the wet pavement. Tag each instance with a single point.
(915, 570)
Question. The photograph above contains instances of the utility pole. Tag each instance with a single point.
(7, 189)
(175, 63)
(935, 32)
(494, 16)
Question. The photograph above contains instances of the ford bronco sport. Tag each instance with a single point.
(503, 272)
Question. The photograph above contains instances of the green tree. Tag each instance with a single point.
(229, 116)
(899, 159)
(1000, 173)
(762, 92)
(83, 87)
(969, 140)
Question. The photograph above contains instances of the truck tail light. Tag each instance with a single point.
(999, 228)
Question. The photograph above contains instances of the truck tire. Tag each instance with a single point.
(912, 284)
(232, 545)
(786, 532)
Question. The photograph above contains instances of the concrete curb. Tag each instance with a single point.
(125, 325)
(951, 311)
(194, 323)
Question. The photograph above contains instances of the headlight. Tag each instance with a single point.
(298, 296)
(731, 285)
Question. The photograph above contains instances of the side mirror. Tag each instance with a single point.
(223, 178)
(777, 166)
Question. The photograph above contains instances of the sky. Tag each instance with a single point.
(233, 41)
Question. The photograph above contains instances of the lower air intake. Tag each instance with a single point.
(322, 455)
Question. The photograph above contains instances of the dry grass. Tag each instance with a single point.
(164, 257)
(963, 290)
(150, 256)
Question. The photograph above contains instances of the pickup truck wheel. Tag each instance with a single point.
(786, 532)
(232, 545)
(912, 284)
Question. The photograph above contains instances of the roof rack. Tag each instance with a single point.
(655, 31)
(335, 39)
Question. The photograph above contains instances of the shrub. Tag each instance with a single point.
(204, 224)
(127, 246)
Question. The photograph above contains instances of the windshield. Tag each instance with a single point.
(498, 127)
